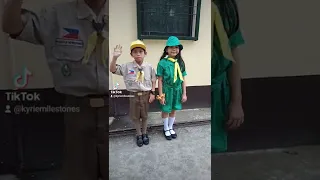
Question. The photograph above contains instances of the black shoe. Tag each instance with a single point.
(167, 137)
(139, 141)
(173, 135)
(145, 139)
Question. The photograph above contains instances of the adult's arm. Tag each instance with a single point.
(25, 25)
(12, 22)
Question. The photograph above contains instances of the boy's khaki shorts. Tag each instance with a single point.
(139, 105)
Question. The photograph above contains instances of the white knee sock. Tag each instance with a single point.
(171, 121)
(165, 126)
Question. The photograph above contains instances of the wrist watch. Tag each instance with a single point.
(153, 92)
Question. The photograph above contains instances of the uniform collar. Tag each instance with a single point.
(137, 65)
(84, 11)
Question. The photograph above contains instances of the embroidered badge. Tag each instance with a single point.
(70, 37)
(66, 70)
(71, 33)
(131, 71)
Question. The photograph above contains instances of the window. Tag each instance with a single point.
(159, 19)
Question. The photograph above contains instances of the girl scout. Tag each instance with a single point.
(226, 99)
(171, 84)
(140, 81)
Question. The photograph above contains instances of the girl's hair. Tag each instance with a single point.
(229, 14)
(179, 59)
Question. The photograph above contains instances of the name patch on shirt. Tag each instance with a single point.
(69, 42)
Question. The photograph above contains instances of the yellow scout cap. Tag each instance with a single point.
(138, 44)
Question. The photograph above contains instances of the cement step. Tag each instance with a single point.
(124, 123)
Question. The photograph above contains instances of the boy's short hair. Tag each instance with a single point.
(136, 48)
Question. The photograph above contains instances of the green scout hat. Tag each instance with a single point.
(173, 41)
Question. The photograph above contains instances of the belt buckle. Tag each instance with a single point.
(96, 102)
(139, 93)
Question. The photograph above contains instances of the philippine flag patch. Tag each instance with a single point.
(131, 71)
(71, 33)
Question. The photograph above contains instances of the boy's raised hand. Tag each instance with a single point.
(117, 51)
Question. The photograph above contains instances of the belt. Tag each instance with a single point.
(95, 100)
(140, 93)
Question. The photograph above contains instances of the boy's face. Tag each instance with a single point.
(138, 54)
(173, 51)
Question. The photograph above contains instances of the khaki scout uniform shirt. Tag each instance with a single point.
(129, 72)
(63, 30)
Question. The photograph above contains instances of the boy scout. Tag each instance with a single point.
(75, 38)
(140, 80)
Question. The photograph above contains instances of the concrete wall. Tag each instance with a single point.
(196, 54)
(288, 49)
(123, 30)
(282, 38)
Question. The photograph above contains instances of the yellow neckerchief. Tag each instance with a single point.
(93, 41)
(140, 73)
(222, 35)
(177, 70)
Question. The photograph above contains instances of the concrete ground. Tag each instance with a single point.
(186, 158)
(189, 158)
(298, 163)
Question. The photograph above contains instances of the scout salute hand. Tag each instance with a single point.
(117, 51)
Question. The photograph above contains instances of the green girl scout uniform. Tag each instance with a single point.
(221, 63)
(172, 79)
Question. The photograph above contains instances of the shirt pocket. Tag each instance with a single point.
(67, 53)
(130, 80)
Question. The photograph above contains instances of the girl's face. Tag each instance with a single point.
(173, 51)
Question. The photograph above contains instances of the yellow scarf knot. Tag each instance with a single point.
(177, 70)
(140, 76)
(93, 40)
(222, 35)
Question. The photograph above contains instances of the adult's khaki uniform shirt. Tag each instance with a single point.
(63, 30)
(129, 72)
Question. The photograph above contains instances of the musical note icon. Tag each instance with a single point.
(116, 86)
(22, 80)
